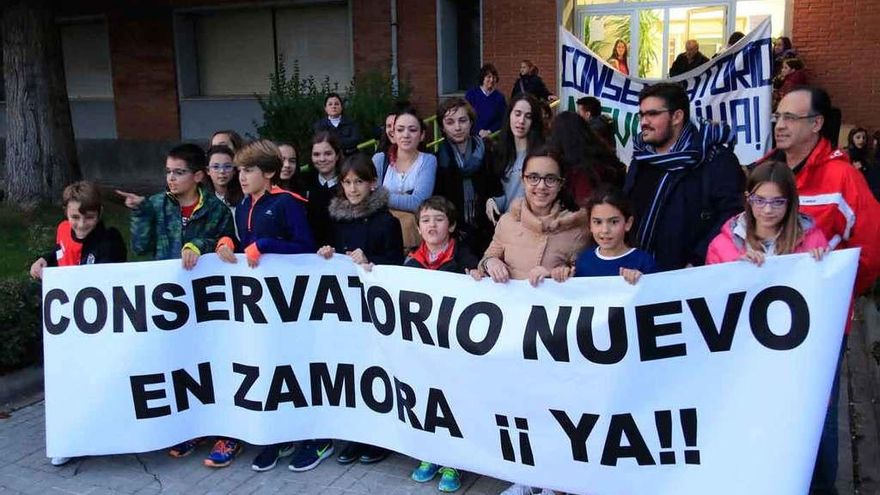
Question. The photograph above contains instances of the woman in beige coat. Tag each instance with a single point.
(540, 231)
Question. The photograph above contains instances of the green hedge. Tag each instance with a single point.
(20, 323)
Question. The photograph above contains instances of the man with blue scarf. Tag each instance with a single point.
(684, 180)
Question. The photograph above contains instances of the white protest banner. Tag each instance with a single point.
(705, 380)
(734, 87)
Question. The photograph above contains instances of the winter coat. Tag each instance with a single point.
(275, 223)
(157, 226)
(838, 198)
(682, 65)
(450, 184)
(348, 133)
(697, 202)
(102, 245)
(463, 259)
(731, 243)
(523, 240)
(367, 226)
(531, 84)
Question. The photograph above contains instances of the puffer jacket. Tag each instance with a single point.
(731, 244)
(367, 226)
(837, 197)
(523, 240)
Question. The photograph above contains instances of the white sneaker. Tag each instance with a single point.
(60, 461)
(518, 489)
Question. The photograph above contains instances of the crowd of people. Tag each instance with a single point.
(548, 199)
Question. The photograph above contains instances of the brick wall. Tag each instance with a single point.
(144, 77)
(838, 42)
(514, 30)
(371, 36)
(417, 51)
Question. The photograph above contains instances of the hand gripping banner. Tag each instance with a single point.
(734, 87)
(705, 380)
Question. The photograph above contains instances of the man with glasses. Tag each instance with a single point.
(684, 180)
(836, 195)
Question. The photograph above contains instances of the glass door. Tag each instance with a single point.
(609, 36)
(704, 24)
(652, 37)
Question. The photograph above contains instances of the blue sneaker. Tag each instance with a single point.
(425, 472)
(268, 457)
(184, 449)
(450, 480)
(223, 453)
(310, 454)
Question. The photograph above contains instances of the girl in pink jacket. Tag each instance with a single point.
(771, 224)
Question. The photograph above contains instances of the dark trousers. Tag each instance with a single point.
(825, 471)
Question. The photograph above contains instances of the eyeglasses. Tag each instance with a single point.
(222, 167)
(790, 117)
(177, 172)
(653, 113)
(550, 180)
(774, 203)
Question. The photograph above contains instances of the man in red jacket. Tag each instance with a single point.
(836, 195)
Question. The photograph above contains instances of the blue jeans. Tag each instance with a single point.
(825, 471)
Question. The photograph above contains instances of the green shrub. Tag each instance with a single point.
(295, 102)
(369, 98)
(20, 323)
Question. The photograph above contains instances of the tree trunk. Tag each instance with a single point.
(40, 149)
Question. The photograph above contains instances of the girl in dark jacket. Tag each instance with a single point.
(361, 225)
(366, 231)
(531, 83)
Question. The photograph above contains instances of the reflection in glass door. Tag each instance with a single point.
(653, 36)
(609, 37)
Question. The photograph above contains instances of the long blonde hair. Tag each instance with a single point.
(790, 230)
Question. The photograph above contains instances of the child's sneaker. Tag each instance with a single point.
(310, 454)
(224, 451)
(184, 449)
(425, 472)
(268, 457)
(450, 480)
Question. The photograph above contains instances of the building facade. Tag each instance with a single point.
(171, 70)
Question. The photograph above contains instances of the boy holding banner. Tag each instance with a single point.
(439, 251)
(182, 222)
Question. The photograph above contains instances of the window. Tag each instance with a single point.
(86, 51)
(319, 39)
(459, 34)
(655, 31)
(234, 52)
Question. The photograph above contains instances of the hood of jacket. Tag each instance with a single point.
(341, 209)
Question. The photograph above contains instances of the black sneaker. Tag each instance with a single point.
(351, 453)
(310, 454)
(268, 457)
(372, 454)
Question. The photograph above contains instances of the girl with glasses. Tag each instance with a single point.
(542, 231)
(771, 224)
(224, 176)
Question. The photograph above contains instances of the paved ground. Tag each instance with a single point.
(25, 469)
